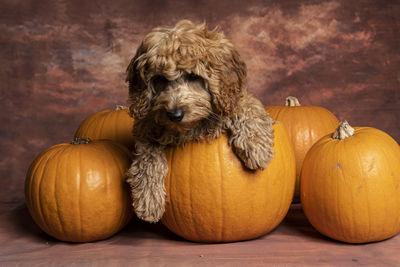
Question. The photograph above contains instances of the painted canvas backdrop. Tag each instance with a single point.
(63, 60)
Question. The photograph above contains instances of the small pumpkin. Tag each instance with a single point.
(212, 197)
(76, 192)
(350, 185)
(305, 125)
(115, 125)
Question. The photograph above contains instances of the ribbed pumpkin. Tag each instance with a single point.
(350, 185)
(212, 197)
(115, 125)
(305, 125)
(76, 192)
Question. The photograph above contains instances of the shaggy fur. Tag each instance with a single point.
(195, 72)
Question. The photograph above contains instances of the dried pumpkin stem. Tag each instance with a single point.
(292, 101)
(343, 131)
(120, 107)
(80, 141)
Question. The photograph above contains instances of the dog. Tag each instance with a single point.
(187, 84)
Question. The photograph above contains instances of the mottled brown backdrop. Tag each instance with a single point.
(63, 60)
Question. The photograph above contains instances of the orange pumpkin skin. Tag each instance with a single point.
(77, 193)
(212, 197)
(350, 189)
(115, 125)
(305, 125)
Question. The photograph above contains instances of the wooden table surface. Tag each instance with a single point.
(293, 243)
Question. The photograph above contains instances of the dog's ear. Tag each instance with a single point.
(139, 95)
(227, 83)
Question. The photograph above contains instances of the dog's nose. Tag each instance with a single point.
(176, 114)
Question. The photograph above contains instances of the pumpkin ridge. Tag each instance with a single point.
(56, 153)
(55, 183)
(284, 113)
(337, 206)
(313, 157)
(335, 190)
(366, 188)
(119, 126)
(122, 217)
(38, 188)
(293, 130)
(284, 163)
(387, 159)
(309, 131)
(100, 149)
(392, 169)
(107, 170)
(278, 113)
(282, 196)
(91, 121)
(345, 178)
(221, 172)
(66, 158)
(286, 166)
(103, 121)
(383, 152)
(190, 191)
(170, 188)
(97, 125)
(35, 167)
(339, 196)
(107, 174)
(115, 119)
(79, 156)
(325, 207)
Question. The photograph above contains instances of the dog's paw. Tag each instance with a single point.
(151, 206)
(255, 155)
(148, 200)
(147, 189)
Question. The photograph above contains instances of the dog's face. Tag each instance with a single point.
(181, 103)
(183, 75)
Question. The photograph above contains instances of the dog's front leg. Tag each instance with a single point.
(146, 177)
(251, 135)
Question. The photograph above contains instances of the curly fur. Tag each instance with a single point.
(198, 71)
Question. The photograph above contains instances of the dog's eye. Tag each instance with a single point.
(159, 82)
(193, 77)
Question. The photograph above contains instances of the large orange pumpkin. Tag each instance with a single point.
(76, 192)
(350, 185)
(212, 197)
(305, 125)
(115, 125)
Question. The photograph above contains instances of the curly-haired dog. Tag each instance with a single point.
(187, 83)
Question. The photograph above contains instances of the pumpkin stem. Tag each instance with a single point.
(120, 107)
(343, 131)
(80, 141)
(292, 101)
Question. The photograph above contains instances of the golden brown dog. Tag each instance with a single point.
(187, 83)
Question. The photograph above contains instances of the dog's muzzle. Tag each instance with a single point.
(175, 115)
